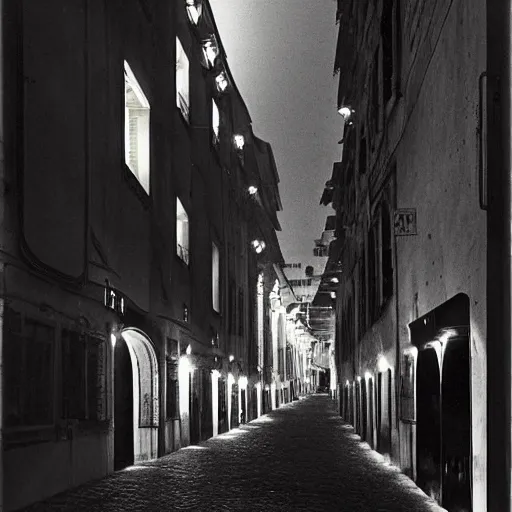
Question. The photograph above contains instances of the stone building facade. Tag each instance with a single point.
(411, 239)
(138, 214)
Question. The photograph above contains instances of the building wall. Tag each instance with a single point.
(75, 216)
(421, 152)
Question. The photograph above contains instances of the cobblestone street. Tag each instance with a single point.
(300, 457)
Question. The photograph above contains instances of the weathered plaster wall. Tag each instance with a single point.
(437, 173)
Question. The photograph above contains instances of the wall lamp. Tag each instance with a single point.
(239, 141)
(252, 190)
(258, 246)
(345, 112)
(221, 81)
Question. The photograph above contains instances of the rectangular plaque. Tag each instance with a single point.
(405, 222)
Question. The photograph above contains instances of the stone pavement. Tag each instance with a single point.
(301, 457)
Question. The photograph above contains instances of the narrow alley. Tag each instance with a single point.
(299, 457)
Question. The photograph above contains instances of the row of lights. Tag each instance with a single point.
(211, 52)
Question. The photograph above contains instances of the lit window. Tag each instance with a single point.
(136, 128)
(215, 278)
(221, 81)
(182, 80)
(211, 51)
(181, 232)
(215, 121)
(194, 9)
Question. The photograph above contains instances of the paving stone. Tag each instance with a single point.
(302, 457)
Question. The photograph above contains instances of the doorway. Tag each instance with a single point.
(123, 407)
(136, 401)
(456, 426)
(428, 434)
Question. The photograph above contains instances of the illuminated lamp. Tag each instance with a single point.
(231, 358)
(345, 112)
(252, 190)
(189, 350)
(239, 141)
(258, 245)
(333, 295)
(221, 81)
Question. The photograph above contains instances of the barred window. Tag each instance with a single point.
(83, 376)
(29, 371)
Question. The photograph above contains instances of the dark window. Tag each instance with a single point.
(82, 376)
(372, 275)
(362, 154)
(241, 317)
(362, 296)
(375, 105)
(28, 367)
(386, 28)
(387, 254)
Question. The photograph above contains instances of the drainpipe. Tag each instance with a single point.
(498, 257)
(2, 280)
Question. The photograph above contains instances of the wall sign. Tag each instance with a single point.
(405, 222)
(113, 299)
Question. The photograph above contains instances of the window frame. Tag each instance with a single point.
(142, 175)
(216, 299)
(182, 251)
(182, 80)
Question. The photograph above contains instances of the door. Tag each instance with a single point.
(456, 426)
(428, 437)
(123, 407)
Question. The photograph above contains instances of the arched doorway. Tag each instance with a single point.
(136, 405)
(428, 437)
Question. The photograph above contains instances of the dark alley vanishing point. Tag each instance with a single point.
(300, 457)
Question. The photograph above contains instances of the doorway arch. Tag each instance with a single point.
(136, 402)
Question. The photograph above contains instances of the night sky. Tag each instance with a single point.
(281, 55)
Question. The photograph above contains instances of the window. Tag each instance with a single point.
(260, 315)
(375, 103)
(136, 128)
(172, 380)
(182, 249)
(387, 253)
(321, 251)
(241, 316)
(362, 296)
(82, 376)
(182, 80)
(362, 153)
(29, 372)
(215, 121)
(386, 29)
(194, 10)
(292, 265)
(215, 278)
